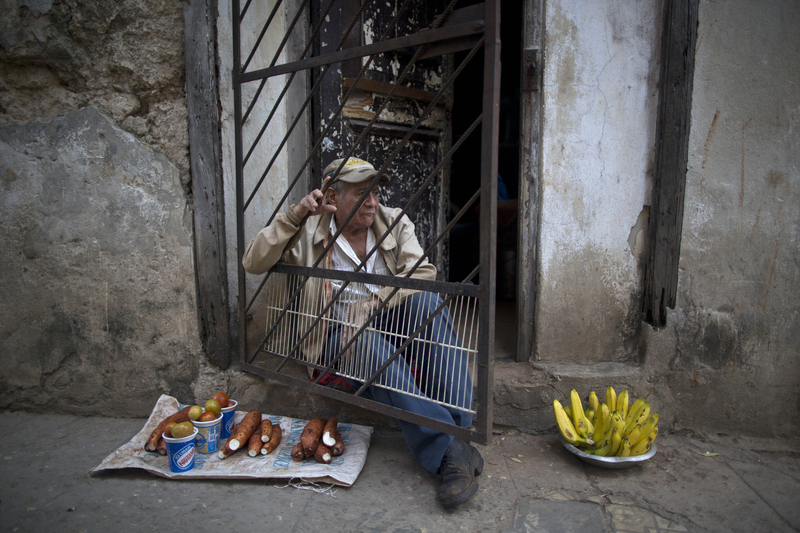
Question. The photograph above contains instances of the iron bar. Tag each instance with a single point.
(402, 282)
(488, 214)
(237, 120)
(246, 6)
(261, 35)
(381, 47)
(366, 403)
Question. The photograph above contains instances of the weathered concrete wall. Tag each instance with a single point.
(98, 310)
(96, 269)
(727, 360)
(730, 348)
(600, 88)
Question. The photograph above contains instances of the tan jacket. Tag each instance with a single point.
(401, 250)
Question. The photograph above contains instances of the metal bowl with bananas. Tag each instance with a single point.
(611, 434)
(610, 462)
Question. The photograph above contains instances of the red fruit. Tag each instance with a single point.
(222, 398)
(208, 416)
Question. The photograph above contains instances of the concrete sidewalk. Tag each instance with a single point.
(529, 484)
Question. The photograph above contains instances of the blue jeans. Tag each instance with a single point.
(443, 374)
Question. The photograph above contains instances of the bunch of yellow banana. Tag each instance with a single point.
(612, 428)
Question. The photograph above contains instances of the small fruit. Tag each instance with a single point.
(194, 412)
(222, 398)
(208, 416)
(168, 429)
(213, 405)
(182, 429)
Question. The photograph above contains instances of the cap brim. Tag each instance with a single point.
(359, 177)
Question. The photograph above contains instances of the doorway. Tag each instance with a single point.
(297, 297)
(465, 176)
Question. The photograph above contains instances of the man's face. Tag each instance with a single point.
(365, 215)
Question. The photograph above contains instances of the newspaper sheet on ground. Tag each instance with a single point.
(279, 464)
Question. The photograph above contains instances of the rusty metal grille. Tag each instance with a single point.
(291, 309)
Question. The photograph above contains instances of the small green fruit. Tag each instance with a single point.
(194, 412)
(213, 406)
(183, 429)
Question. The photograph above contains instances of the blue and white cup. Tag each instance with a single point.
(180, 452)
(228, 414)
(208, 435)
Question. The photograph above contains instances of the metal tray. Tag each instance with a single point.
(609, 462)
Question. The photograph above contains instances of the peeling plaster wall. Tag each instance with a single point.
(730, 348)
(600, 89)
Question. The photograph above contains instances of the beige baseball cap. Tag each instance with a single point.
(354, 171)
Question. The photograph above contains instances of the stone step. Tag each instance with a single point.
(524, 393)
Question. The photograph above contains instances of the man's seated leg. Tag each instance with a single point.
(437, 351)
(445, 371)
(427, 445)
(437, 452)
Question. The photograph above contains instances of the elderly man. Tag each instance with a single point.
(445, 372)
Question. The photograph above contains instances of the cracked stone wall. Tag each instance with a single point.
(600, 89)
(125, 58)
(98, 314)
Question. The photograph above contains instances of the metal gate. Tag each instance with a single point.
(286, 314)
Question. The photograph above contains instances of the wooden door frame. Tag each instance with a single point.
(205, 159)
(678, 44)
(529, 174)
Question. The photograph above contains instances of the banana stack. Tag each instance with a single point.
(612, 428)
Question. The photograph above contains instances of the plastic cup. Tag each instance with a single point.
(227, 418)
(208, 434)
(180, 452)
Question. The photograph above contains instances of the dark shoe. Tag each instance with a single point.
(460, 465)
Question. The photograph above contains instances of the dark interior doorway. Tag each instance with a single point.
(465, 173)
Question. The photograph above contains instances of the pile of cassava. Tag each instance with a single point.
(321, 440)
(258, 436)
